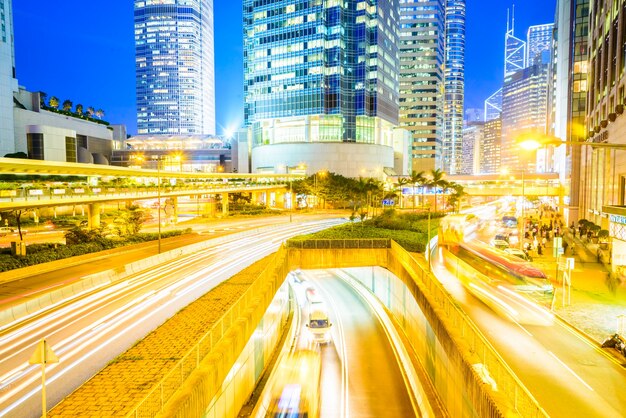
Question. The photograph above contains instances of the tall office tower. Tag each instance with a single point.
(570, 91)
(493, 106)
(174, 60)
(490, 148)
(8, 82)
(538, 41)
(421, 78)
(604, 184)
(514, 49)
(472, 143)
(454, 87)
(524, 110)
(317, 73)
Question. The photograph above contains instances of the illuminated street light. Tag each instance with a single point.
(532, 144)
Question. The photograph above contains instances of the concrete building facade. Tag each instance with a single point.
(422, 54)
(473, 137)
(489, 162)
(8, 81)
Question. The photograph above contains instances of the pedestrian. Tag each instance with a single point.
(539, 249)
(565, 245)
(544, 241)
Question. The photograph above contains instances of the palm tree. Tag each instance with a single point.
(436, 181)
(90, 111)
(416, 178)
(79, 109)
(100, 113)
(401, 182)
(457, 194)
(54, 102)
(67, 105)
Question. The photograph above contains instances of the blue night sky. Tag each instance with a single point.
(84, 51)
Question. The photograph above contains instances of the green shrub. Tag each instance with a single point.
(409, 230)
(43, 253)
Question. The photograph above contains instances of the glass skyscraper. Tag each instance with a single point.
(320, 71)
(452, 152)
(539, 41)
(175, 67)
(422, 78)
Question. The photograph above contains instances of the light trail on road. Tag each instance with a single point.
(92, 330)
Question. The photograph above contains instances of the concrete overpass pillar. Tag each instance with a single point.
(93, 215)
(175, 209)
(209, 211)
(281, 201)
(224, 204)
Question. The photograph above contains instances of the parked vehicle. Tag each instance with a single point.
(5, 230)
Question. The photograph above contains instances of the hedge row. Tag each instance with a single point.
(43, 253)
(410, 232)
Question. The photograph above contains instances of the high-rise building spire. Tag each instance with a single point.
(514, 48)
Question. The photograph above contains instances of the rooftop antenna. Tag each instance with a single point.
(513, 20)
(508, 19)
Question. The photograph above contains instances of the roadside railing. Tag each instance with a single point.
(154, 402)
(508, 385)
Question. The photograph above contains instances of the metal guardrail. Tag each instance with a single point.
(336, 244)
(154, 402)
(509, 386)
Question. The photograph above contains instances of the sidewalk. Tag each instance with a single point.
(597, 300)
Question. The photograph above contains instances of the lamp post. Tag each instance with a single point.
(428, 244)
(158, 159)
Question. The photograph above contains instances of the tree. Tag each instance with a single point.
(455, 197)
(79, 109)
(100, 113)
(67, 105)
(417, 179)
(437, 181)
(401, 182)
(42, 98)
(90, 111)
(54, 102)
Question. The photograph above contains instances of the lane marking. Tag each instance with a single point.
(571, 371)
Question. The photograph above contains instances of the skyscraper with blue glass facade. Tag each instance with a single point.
(454, 96)
(320, 71)
(175, 79)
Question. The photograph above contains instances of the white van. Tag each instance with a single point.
(318, 322)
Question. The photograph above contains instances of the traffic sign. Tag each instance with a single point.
(43, 354)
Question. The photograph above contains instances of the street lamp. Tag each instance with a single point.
(158, 160)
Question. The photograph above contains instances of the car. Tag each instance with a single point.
(518, 253)
(500, 244)
(5, 230)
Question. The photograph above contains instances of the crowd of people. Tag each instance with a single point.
(541, 228)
